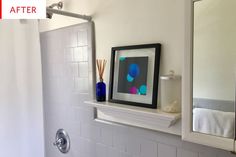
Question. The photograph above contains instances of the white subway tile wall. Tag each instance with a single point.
(66, 68)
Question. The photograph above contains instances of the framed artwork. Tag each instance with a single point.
(134, 75)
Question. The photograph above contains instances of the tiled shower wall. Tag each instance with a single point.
(67, 82)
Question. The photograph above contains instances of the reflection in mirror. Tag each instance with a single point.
(214, 67)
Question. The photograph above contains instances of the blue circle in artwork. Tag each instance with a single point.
(134, 70)
(129, 78)
(143, 90)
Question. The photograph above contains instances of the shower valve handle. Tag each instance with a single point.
(59, 142)
(62, 141)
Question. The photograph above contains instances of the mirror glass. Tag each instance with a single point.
(214, 67)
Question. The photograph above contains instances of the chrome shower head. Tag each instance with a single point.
(59, 6)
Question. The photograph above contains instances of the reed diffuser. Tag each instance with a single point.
(101, 86)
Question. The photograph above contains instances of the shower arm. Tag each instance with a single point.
(65, 13)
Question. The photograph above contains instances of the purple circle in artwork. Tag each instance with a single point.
(133, 90)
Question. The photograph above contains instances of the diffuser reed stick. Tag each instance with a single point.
(101, 64)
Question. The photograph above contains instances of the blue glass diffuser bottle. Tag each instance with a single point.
(101, 91)
(101, 86)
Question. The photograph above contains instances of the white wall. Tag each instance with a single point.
(214, 49)
(123, 22)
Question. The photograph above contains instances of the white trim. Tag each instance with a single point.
(187, 133)
(153, 119)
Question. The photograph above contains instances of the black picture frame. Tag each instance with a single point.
(156, 47)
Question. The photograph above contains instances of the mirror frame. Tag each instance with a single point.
(187, 92)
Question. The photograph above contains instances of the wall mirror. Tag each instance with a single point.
(210, 73)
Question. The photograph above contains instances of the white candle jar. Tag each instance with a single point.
(170, 93)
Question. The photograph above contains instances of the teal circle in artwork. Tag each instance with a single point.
(143, 90)
(122, 58)
(129, 78)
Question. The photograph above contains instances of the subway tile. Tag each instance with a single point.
(68, 55)
(179, 152)
(133, 145)
(77, 99)
(73, 128)
(82, 37)
(223, 153)
(186, 153)
(89, 146)
(70, 38)
(80, 85)
(101, 150)
(207, 154)
(159, 137)
(193, 147)
(120, 137)
(83, 69)
(76, 114)
(166, 150)
(78, 54)
(124, 154)
(87, 114)
(90, 132)
(79, 144)
(74, 69)
(85, 53)
(91, 149)
(148, 148)
(107, 136)
(113, 152)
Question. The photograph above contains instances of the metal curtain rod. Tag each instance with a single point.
(66, 13)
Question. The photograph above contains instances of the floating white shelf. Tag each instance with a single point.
(153, 119)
